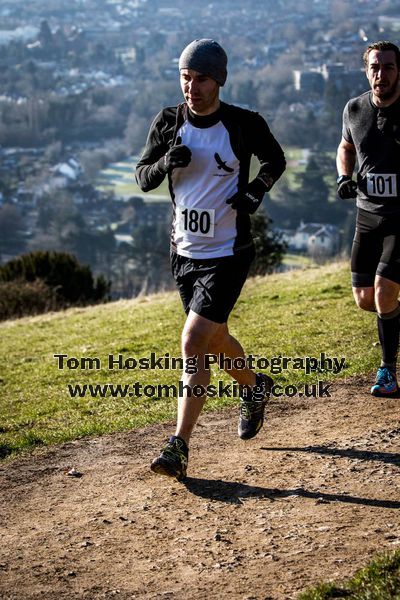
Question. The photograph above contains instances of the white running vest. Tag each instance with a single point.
(204, 225)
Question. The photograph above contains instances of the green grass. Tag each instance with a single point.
(380, 580)
(295, 314)
(297, 260)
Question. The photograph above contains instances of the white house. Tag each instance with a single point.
(315, 238)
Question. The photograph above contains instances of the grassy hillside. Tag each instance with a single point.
(295, 314)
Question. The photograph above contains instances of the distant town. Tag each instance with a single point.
(81, 81)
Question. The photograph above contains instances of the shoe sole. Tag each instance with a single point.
(250, 437)
(163, 468)
(382, 393)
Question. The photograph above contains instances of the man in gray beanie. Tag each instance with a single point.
(204, 147)
(207, 57)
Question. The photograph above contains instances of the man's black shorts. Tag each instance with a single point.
(376, 248)
(210, 287)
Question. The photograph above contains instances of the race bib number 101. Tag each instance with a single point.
(196, 221)
(381, 185)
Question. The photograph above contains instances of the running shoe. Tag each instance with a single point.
(173, 459)
(385, 383)
(252, 407)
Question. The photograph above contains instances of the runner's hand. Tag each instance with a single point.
(347, 188)
(177, 156)
(250, 198)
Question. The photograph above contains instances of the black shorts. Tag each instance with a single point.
(210, 287)
(376, 248)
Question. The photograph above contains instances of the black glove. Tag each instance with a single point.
(177, 156)
(347, 188)
(250, 198)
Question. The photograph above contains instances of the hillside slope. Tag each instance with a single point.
(301, 315)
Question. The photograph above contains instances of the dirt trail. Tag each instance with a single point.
(314, 496)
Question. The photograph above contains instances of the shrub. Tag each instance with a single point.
(42, 281)
(20, 298)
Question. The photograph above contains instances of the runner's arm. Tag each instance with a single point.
(268, 151)
(149, 170)
(345, 158)
(263, 145)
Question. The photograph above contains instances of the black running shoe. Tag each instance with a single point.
(252, 407)
(173, 459)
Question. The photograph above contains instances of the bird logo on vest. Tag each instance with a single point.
(222, 163)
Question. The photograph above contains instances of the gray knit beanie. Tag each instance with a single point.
(206, 57)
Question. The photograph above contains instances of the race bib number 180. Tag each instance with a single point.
(381, 185)
(196, 221)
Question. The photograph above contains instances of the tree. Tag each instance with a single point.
(269, 245)
(313, 196)
(335, 98)
(45, 35)
(11, 228)
(295, 125)
(135, 132)
(53, 152)
(143, 267)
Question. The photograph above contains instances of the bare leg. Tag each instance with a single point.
(364, 298)
(386, 295)
(196, 336)
(199, 337)
(226, 344)
(388, 309)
